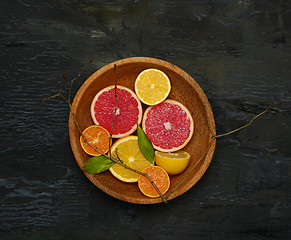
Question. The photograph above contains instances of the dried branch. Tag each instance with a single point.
(118, 161)
(61, 90)
(248, 124)
(187, 175)
(211, 142)
(73, 80)
(115, 108)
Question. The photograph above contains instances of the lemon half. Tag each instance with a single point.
(127, 150)
(174, 163)
(152, 86)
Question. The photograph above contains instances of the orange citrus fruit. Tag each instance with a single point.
(126, 149)
(173, 162)
(128, 110)
(152, 86)
(98, 137)
(159, 176)
(169, 125)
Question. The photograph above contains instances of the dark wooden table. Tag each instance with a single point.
(238, 52)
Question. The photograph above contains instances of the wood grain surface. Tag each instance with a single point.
(238, 52)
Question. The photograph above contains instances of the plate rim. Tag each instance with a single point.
(208, 110)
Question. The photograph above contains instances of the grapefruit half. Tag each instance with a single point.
(128, 110)
(169, 125)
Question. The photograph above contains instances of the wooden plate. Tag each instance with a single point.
(184, 89)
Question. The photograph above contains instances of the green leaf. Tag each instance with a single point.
(145, 145)
(97, 164)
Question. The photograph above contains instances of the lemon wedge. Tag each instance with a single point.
(173, 162)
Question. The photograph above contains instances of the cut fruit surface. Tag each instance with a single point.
(98, 137)
(127, 113)
(169, 125)
(127, 150)
(174, 163)
(159, 176)
(152, 86)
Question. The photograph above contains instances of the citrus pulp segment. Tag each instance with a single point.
(127, 150)
(98, 137)
(159, 176)
(173, 162)
(169, 125)
(152, 86)
(127, 113)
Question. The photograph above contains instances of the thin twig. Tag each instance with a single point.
(211, 142)
(187, 175)
(67, 100)
(73, 80)
(248, 124)
(115, 107)
(164, 198)
(60, 92)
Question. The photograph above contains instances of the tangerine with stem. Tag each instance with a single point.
(159, 176)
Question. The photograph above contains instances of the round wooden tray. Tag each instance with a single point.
(184, 89)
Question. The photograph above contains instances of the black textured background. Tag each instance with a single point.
(239, 53)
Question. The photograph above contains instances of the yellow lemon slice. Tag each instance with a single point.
(127, 150)
(174, 163)
(152, 86)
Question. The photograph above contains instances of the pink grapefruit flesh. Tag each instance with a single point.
(127, 114)
(169, 125)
